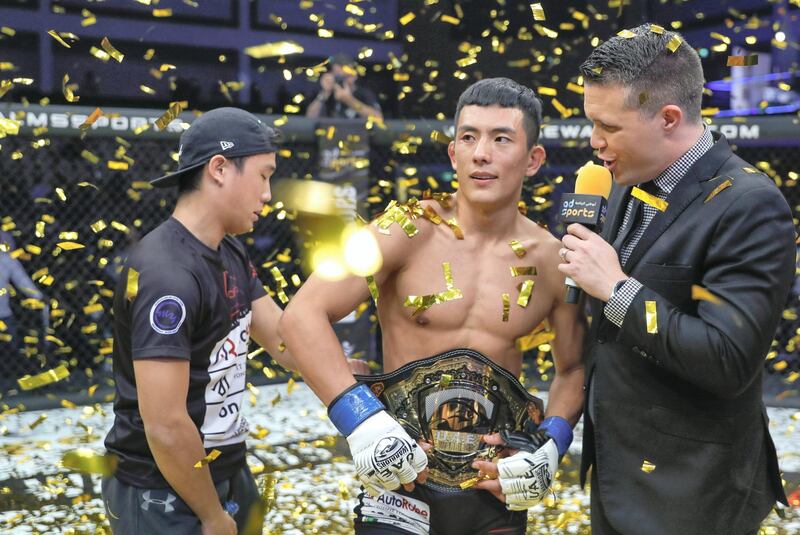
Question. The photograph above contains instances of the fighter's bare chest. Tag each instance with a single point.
(480, 287)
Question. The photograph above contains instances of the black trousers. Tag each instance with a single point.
(137, 511)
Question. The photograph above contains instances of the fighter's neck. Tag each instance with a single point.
(490, 223)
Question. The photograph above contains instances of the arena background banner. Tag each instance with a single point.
(62, 179)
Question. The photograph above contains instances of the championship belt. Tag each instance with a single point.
(450, 400)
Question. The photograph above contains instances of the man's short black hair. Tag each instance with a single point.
(506, 93)
(190, 182)
(654, 75)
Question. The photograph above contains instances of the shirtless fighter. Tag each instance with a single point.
(463, 277)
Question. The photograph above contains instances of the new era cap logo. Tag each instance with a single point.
(226, 145)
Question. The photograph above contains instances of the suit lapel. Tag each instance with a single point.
(681, 197)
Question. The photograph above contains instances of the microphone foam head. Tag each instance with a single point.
(593, 179)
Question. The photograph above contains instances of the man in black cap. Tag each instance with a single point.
(340, 96)
(186, 305)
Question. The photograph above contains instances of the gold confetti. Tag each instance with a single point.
(113, 52)
(431, 215)
(175, 109)
(525, 293)
(98, 225)
(89, 462)
(145, 89)
(57, 37)
(563, 110)
(268, 50)
(465, 62)
(575, 88)
(450, 20)
(37, 421)
(453, 224)
(439, 137)
(506, 306)
(626, 34)
(68, 90)
(674, 43)
(117, 165)
(402, 214)
(132, 284)
(28, 382)
(9, 127)
(165, 12)
(278, 276)
(538, 12)
(715, 192)
(702, 294)
(212, 456)
(70, 245)
(517, 247)
(517, 271)
(651, 317)
(408, 17)
(424, 302)
(743, 61)
(655, 28)
(659, 204)
(373, 288)
(90, 120)
(647, 466)
(290, 385)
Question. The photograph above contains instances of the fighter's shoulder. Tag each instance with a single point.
(410, 223)
(537, 236)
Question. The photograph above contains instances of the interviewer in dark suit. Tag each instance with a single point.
(675, 426)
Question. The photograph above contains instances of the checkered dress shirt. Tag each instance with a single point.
(617, 306)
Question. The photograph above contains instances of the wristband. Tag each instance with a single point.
(559, 430)
(352, 407)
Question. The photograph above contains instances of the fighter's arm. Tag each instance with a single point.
(264, 330)
(355, 411)
(306, 324)
(161, 386)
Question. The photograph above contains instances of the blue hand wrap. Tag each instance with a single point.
(559, 430)
(352, 407)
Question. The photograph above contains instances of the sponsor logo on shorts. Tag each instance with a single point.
(167, 315)
(397, 501)
(394, 509)
(165, 503)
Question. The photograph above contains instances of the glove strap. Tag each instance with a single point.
(350, 408)
(559, 430)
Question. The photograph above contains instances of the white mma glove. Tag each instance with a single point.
(526, 477)
(385, 455)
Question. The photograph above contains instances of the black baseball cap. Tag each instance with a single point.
(228, 131)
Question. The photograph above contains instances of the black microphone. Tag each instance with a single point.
(587, 206)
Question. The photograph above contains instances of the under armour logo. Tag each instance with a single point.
(226, 145)
(168, 507)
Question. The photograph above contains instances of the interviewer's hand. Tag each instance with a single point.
(590, 261)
